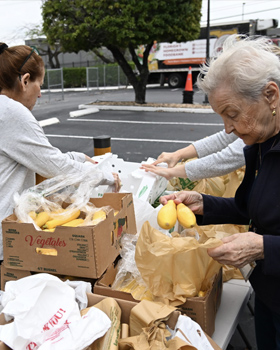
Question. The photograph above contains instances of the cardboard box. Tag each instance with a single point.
(11, 275)
(14, 275)
(201, 310)
(84, 251)
(145, 186)
(125, 306)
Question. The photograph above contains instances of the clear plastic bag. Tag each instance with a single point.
(51, 195)
(128, 278)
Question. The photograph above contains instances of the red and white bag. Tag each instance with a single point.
(46, 316)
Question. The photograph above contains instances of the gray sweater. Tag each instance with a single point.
(218, 154)
(24, 151)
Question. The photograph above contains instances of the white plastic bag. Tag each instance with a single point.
(46, 316)
(189, 330)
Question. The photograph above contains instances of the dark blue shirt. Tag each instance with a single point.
(257, 201)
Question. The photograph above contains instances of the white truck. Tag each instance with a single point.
(170, 62)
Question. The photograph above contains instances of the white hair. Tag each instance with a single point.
(246, 64)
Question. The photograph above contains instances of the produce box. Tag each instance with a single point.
(202, 310)
(145, 186)
(8, 274)
(11, 275)
(125, 307)
(83, 251)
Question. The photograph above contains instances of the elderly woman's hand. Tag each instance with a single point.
(192, 199)
(239, 249)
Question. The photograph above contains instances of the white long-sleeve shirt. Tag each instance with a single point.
(218, 154)
(24, 151)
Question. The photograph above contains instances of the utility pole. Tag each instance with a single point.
(206, 101)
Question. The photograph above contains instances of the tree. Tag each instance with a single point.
(121, 24)
(44, 47)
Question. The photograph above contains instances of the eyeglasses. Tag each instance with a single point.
(27, 58)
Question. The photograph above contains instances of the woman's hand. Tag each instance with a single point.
(88, 159)
(167, 157)
(168, 173)
(192, 199)
(172, 158)
(164, 172)
(239, 249)
(118, 183)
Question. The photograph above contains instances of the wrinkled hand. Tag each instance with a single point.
(167, 157)
(164, 172)
(117, 183)
(239, 249)
(192, 199)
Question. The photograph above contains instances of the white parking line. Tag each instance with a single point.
(142, 122)
(118, 139)
(81, 112)
(49, 121)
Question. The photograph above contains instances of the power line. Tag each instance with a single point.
(248, 13)
(234, 6)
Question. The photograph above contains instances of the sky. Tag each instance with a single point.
(18, 15)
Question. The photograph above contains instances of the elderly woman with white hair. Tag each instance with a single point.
(242, 85)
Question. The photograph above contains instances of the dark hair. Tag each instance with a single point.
(14, 62)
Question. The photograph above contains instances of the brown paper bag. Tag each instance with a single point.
(110, 340)
(174, 268)
(219, 232)
(148, 328)
(222, 186)
(232, 182)
(148, 321)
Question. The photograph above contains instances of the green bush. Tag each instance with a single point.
(74, 77)
(108, 75)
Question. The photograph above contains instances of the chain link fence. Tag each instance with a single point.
(95, 78)
(112, 76)
(92, 78)
(55, 81)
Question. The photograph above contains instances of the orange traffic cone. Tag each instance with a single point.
(188, 92)
(188, 86)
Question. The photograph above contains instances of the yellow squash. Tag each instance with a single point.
(65, 217)
(185, 216)
(42, 218)
(167, 215)
(201, 293)
(98, 216)
(46, 251)
(74, 223)
(33, 215)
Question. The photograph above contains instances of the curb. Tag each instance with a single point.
(147, 109)
(82, 112)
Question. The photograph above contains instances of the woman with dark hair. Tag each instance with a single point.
(24, 148)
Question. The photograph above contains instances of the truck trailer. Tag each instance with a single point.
(170, 62)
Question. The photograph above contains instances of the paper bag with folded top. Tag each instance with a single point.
(174, 268)
(219, 232)
(156, 326)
